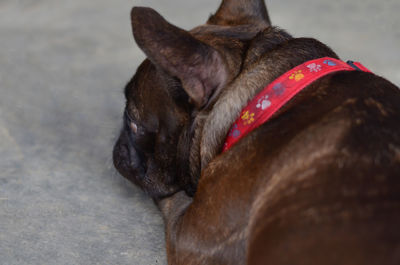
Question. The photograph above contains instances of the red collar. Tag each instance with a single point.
(280, 91)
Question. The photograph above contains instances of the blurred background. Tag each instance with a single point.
(63, 66)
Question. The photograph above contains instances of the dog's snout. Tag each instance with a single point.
(136, 156)
(135, 159)
(128, 161)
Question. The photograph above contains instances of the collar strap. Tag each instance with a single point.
(280, 91)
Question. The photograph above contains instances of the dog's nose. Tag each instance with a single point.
(127, 160)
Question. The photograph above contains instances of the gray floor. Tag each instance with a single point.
(63, 65)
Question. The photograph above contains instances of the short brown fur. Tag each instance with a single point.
(318, 184)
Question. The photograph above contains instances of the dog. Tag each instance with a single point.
(318, 183)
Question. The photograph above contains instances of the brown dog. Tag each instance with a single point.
(317, 184)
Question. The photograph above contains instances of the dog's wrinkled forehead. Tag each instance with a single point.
(143, 94)
(152, 96)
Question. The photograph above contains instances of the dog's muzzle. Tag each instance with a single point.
(127, 160)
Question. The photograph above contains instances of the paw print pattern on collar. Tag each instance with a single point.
(280, 91)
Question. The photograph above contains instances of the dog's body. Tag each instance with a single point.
(317, 184)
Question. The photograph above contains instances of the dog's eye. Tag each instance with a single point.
(133, 127)
(131, 124)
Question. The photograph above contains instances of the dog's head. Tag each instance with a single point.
(182, 78)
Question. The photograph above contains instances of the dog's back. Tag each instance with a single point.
(332, 195)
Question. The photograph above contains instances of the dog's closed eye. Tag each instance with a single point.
(131, 124)
(133, 127)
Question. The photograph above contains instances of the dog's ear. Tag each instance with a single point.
(199, 67)
(240, 12)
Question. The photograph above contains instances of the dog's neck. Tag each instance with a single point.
(272, 53)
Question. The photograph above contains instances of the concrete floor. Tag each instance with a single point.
(63, 65)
